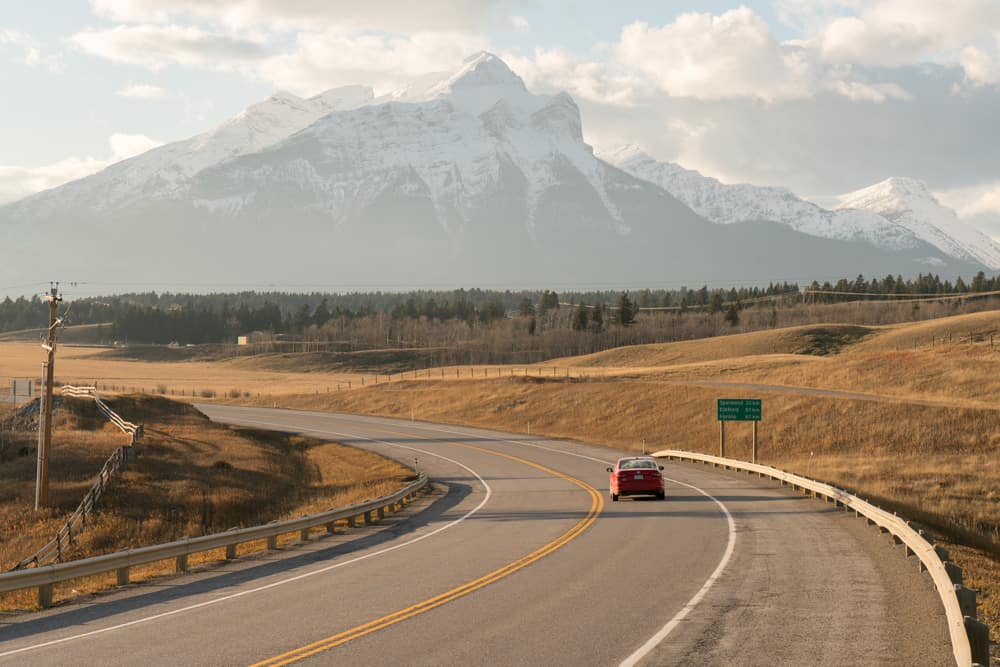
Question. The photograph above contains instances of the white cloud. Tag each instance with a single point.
(977, 205)
(901, 32)
(875, 93)
(322, 60)
(31, 50)
(703, 56)
(142, 91)
(17, 182)
(124, 146)
(556, 70)
(981, 68)
(520, 24)
(389, 15)
(156, 47)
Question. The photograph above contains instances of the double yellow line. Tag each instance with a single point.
(596, 506)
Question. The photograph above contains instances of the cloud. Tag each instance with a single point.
(155, 47)
(552, 70)
(18, 182)
(386, 15)
(142, 91)
(977, 205)
(981, 68)
(124, 146)
(520, 24)
(31, 50)
(826, 144)
(901, 32)
(322, 60)
(702, 56)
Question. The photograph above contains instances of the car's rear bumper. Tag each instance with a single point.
(639, 488)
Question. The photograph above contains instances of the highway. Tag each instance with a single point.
(520, 558)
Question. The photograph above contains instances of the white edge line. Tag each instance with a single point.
(672, 624)
(206, 603)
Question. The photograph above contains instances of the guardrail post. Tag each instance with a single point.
(369, 518)
(230, 551)
(979, 640)
(45, 596)
(304, 535)
(966, 600)
(352, 522)
(272, 542)
(331, 528)
(122, 574)
(181, 563)
(954, 572)
(381, 512)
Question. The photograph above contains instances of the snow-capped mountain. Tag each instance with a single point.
(908, 203)
(452, 140)
(731, 204)
(462, 178)
(896, 214)
(158, 173)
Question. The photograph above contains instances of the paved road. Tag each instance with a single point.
(520, 562)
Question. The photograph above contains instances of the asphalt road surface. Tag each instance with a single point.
(520, 558)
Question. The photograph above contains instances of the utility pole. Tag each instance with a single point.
(45, 414)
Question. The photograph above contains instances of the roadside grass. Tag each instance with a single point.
(936, 465)
(807, 339)
(190, 477)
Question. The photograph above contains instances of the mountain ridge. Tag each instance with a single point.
(895, 214)
(465, 177)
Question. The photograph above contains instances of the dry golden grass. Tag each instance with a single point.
(190, 477)
(929, 463)
(921, 334)
(937, 464)
(792, 340)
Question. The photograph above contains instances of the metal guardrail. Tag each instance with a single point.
(965, 631)
(44, 577)
(53, 550)
(91, 392)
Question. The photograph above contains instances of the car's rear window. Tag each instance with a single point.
(632, 464)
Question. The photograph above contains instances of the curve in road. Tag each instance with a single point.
(801, 584)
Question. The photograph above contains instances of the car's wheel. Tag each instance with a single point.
(614, 497)
(662, 495)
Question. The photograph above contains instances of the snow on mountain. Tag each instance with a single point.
(451, 136)
(462, 177)
(160, 172)
(732, 204)
(908, 203)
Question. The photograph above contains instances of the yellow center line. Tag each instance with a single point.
(596, 506)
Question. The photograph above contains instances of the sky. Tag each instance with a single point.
(819, 96)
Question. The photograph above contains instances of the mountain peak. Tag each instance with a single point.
(625, 154)
(910, 203)
(484, 69)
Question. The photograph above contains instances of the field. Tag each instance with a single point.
(190, 477)
(902, 414)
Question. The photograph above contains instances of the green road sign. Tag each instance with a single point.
(739, 409)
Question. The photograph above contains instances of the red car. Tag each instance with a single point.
(637, 476)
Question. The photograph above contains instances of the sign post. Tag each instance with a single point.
(741, 410)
